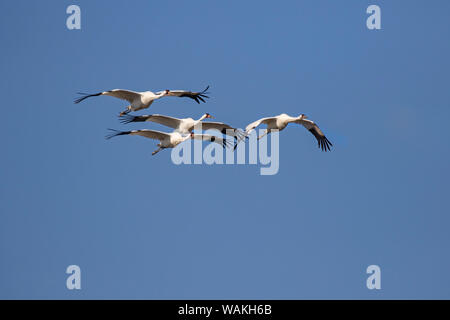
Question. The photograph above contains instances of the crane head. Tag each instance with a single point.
(209, 116)
(302, 116)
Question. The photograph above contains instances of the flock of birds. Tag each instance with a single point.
(183, 128)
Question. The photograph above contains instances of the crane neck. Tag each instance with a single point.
(160, 95)
(197, 122)
(292, 119)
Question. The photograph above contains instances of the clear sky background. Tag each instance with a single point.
(141, 227)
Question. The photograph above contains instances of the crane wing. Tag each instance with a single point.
(322, 141)
(223, 128)
(252, 126)
(158, 118)
(197, 96)
(206, 137)
(151, 134)
(127, 95)
(255, 124)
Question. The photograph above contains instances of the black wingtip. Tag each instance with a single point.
(236, 144)
(126, 118)
(243, 136)
(85, 96)
(226, 143)
(205, 91)
(201, 95)
(115, 133)
(324, 144)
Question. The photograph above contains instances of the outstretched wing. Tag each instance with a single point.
(255, 124)
(252, 126)
(197, 96)
(151, 134)
(322, 141)
(223, 128)
(127, 95)
(206, 137)
(158, 118)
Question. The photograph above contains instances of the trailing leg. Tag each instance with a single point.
(127, 110)
(157, 150)
(265, 133)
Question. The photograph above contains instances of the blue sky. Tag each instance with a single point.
(141, 227)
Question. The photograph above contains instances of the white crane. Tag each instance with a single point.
(281, 121)
(143, 100)
(186, 125)
(168, 140)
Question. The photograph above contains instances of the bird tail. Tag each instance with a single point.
(85, 96)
